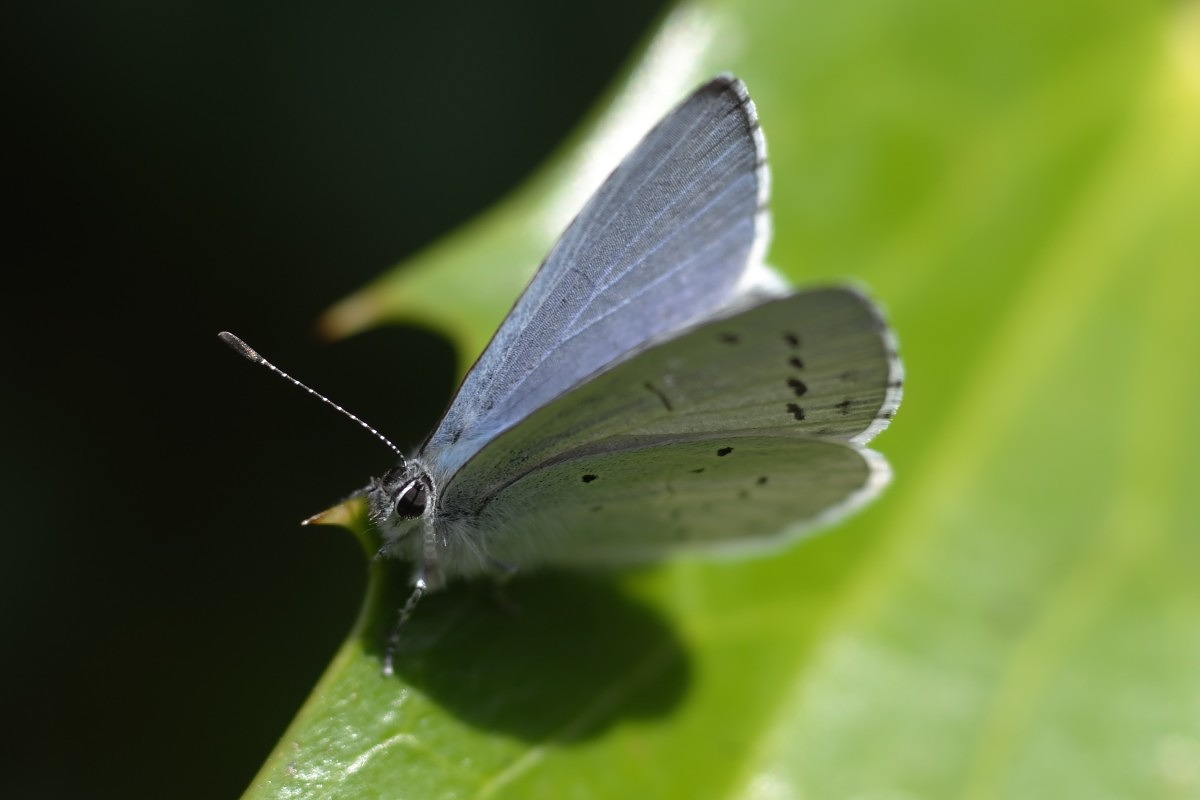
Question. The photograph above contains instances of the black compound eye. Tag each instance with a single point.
(410, 500)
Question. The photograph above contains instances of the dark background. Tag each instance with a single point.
(182, 167)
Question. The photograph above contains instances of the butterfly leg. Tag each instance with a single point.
(406, 611)
(429, 578)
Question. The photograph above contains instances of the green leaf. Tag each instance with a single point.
(1019, 183)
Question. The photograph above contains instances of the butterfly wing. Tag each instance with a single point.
(770, 405)
(662, 244)
(713, 493)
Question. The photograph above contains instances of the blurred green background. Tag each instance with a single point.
(1019, 616)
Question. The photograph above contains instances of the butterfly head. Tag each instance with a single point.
(398, 499)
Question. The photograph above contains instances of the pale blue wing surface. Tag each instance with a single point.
(820, 363)
(708, 494)
(795, 386)
(661, 245)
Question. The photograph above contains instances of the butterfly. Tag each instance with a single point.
(655, 389)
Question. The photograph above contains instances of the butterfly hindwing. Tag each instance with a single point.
(705, 493)
(818, 363)
(641, 457)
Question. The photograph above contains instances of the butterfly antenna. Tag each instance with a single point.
(251, 354)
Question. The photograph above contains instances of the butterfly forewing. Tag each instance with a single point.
(661, 245)
(818, 364)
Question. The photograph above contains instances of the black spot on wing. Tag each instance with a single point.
(792, 339)
(843, 407)
(589, 478)
(724, 451)
(728, 338)
(796, 411)
(762, 481)
(697, 471)
(796, 362)
(797, 386)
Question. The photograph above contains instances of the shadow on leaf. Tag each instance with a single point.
(555, 656)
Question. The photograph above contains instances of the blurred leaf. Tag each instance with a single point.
(1019, 182)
